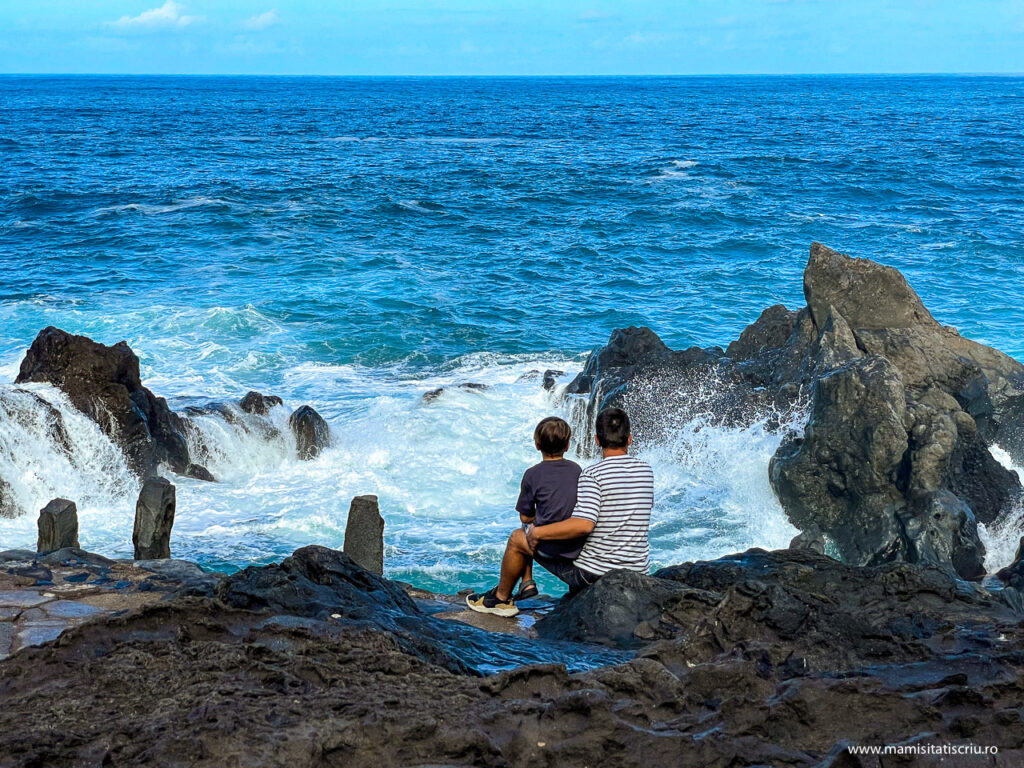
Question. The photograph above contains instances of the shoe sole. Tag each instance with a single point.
(507, 612)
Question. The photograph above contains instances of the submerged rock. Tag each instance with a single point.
(311, 432)
(104, 383)
(154, 518)
(58, 526)
(364, 534)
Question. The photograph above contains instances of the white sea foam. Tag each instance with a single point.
(446, 471)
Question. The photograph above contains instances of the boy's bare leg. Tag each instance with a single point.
(517, 559)
(528, 573)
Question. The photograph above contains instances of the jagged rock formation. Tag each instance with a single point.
(104, 383)
(893, 463)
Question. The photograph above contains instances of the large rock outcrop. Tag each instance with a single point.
(104, 383)
(894, 462)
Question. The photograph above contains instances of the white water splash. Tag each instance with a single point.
(1002, 537)
(446, 471)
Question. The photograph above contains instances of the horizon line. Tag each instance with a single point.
(516, 76)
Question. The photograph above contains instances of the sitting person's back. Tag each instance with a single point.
(547, 493)
(617, 494)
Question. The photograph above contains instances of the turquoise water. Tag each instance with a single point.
(353, 243)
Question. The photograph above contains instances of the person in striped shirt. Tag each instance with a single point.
(614, 499)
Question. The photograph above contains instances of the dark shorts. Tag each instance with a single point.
(574, 577)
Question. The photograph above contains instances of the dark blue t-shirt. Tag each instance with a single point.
(548, 494)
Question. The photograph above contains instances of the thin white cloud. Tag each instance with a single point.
(167, 16)
(261, 20)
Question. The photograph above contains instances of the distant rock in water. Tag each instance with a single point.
(104, 383)
(551, 378)
(58, 526)
(311, 432)
(469, 386)
(259, 404)
(894, 462)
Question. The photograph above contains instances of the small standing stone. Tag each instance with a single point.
(364, 534)
(154, 518)
(58, 526)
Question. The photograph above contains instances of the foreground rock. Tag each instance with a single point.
(104, 383)
(58, 526)
(894, 462)
(759, 659)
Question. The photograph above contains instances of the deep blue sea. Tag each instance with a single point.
(354, 243)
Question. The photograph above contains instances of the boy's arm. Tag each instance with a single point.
(525, 506)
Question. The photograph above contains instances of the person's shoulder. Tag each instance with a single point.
(573, 466)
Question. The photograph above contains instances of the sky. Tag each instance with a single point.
(504, 37)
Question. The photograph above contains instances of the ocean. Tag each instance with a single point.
(353, 243)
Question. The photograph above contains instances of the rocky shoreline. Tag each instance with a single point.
(896, 636)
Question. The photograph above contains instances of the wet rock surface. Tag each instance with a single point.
(763, 658)
(104, 383)
(259, 404)
(311, 432)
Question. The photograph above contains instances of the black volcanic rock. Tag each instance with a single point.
(894, 463)
(311, 432)
(316, 662)
(104, 383)
(259, 404)
(624, 609)
(889, 319)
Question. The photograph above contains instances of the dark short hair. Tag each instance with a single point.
(552, 436)
(612, 428)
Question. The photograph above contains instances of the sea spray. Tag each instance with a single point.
(1002, 537)
(446, 470)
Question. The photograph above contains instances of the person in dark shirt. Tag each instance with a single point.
(547, 494)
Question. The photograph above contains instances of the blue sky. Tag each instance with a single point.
(527, 37)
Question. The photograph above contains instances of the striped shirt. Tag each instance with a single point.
(617, 495)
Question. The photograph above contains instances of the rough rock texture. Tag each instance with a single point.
(154, 518)
(623, 609)
(800, 658)
(311, 432)
(104, 383)
(364, 534)
(58, 526)
(894, 462)
(259, 404)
